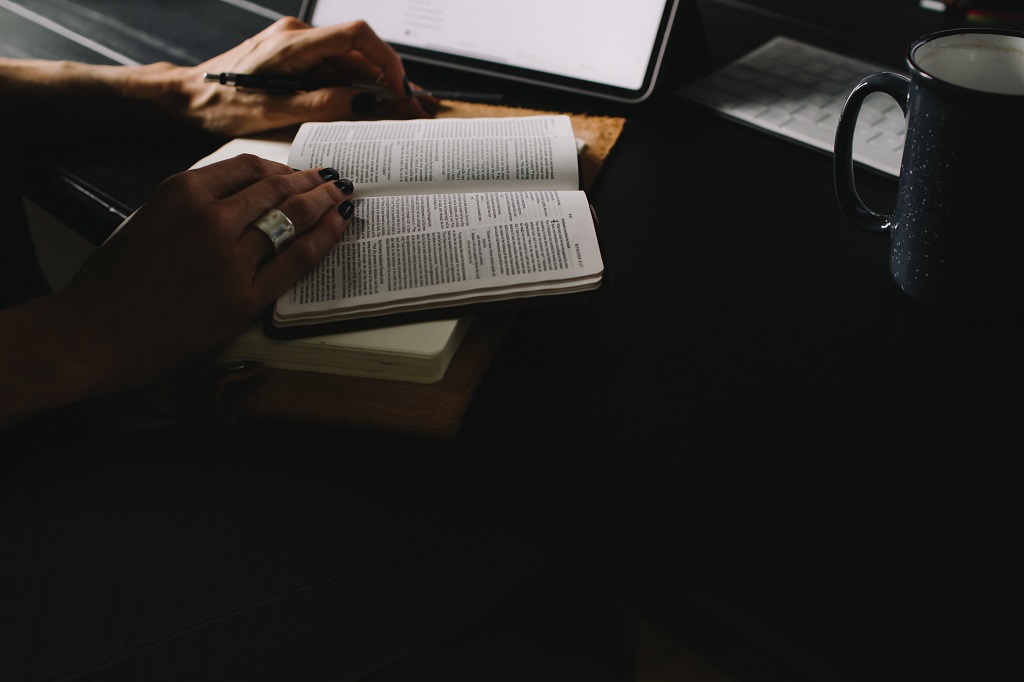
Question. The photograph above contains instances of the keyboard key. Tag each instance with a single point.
(811, 113)
(773, 117)
(797, 90)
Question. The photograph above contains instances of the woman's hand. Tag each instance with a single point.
(290, 47)
(180, 279)
(137, 100)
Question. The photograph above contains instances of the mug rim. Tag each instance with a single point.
(923, 40)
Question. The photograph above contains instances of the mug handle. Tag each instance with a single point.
(897, 87)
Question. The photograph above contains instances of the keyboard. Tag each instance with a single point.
(797, 90)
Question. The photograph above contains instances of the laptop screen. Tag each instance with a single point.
(611, 50)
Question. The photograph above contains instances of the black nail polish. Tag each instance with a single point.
(346, 209)
(405, 84)
(345, 185)
(329, 174)
(364, 103)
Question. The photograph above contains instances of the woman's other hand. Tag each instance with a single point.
(290, 47)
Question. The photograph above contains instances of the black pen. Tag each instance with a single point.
(289, 84)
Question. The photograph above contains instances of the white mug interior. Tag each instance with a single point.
(988, 62)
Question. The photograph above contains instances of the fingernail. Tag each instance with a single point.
(346, 209)
(329, 174)
(364, 102)
(405, 84)
(345, 185)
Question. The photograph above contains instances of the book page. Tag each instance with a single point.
(412, 251)
(426, 156)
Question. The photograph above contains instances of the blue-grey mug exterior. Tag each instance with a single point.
(956, 233)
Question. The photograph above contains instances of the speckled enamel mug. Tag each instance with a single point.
(956, 234)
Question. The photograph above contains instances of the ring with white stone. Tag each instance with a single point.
(278, 228)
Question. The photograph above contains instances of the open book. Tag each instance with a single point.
(418, 352)
(450, 215)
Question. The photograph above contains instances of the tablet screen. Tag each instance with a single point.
(599, 48)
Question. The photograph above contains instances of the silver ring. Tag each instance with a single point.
(278, 228)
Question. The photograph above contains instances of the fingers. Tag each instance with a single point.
(304, 210)
(252, 201)
(317, 204)
(303, 47)
(283, 24)
(335, 104)
(307, 249)
(322, 43)
(225, 178)
(247, 186)
(367, 105)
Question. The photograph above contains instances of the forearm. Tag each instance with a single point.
(45, 101)
(41, 367)
(64, 99)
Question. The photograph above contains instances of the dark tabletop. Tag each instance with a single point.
(755, 433)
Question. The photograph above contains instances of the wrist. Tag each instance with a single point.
(156, 94)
